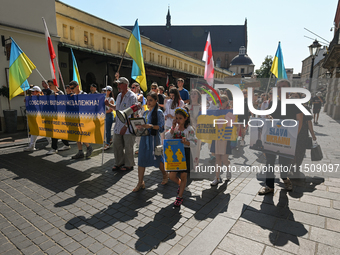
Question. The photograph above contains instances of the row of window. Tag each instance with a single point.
(107, 44)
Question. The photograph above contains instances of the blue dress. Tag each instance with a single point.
(146, 154)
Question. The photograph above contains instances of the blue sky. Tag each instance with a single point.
(268, 21)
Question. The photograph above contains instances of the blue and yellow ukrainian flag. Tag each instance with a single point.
(76, 76)
(278, 67)
(134, 48)
(20, 68)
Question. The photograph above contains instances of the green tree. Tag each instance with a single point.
(264, 72)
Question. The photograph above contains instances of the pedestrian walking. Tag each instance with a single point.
(74, 86)
(170, 107)
(154, 119)
(317, 103)
(181, 129)
(54, 147)
(293, 113)
(302, 139)
(123, 140)
(222, 148)
(35, 91)
(109, 117)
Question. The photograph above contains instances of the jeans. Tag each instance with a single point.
(270, 174)
(108, 126)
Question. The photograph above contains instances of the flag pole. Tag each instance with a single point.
(121, 61)
(28, 133)
(104, 140)
(269, 82)
(62, 81)
(41, 75)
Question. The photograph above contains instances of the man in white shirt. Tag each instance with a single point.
(123, 140)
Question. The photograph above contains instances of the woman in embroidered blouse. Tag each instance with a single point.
(170, 106)
(154, 119)
(181, 129)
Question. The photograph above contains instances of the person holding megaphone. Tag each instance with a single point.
(123, 140)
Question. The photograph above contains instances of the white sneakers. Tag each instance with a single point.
(64, 148)
(30, 148)
(51, 152)
(216, 181)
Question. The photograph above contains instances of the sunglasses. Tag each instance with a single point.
(244, 92)
(72, 88)
(153, 88)
(133, 87)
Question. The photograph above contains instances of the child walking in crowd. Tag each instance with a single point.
(181, 129)
(154, 119)
(170, 107)
(222, 148)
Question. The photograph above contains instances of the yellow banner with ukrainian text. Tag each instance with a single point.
(78, 118)
(217, 125)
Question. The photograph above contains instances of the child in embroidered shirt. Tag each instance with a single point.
(181, 129)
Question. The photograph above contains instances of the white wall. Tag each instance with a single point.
(25, 26)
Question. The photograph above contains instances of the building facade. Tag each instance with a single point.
(241, 64)
(190, 39)
(28, 33)
(332, 65)
(99, 45)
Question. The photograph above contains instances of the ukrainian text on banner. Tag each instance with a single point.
(174, 155)
(274, 136)
(222, 120)
(78, 118)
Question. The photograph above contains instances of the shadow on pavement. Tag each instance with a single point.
(159, 230)
(278, 219)
(124, 210)
(85, 189)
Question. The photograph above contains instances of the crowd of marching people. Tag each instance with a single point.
(173, 114)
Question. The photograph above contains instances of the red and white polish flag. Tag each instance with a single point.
(51, 53)
(209, 62)
(167, 81)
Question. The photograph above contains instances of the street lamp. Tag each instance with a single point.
(313, 51)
